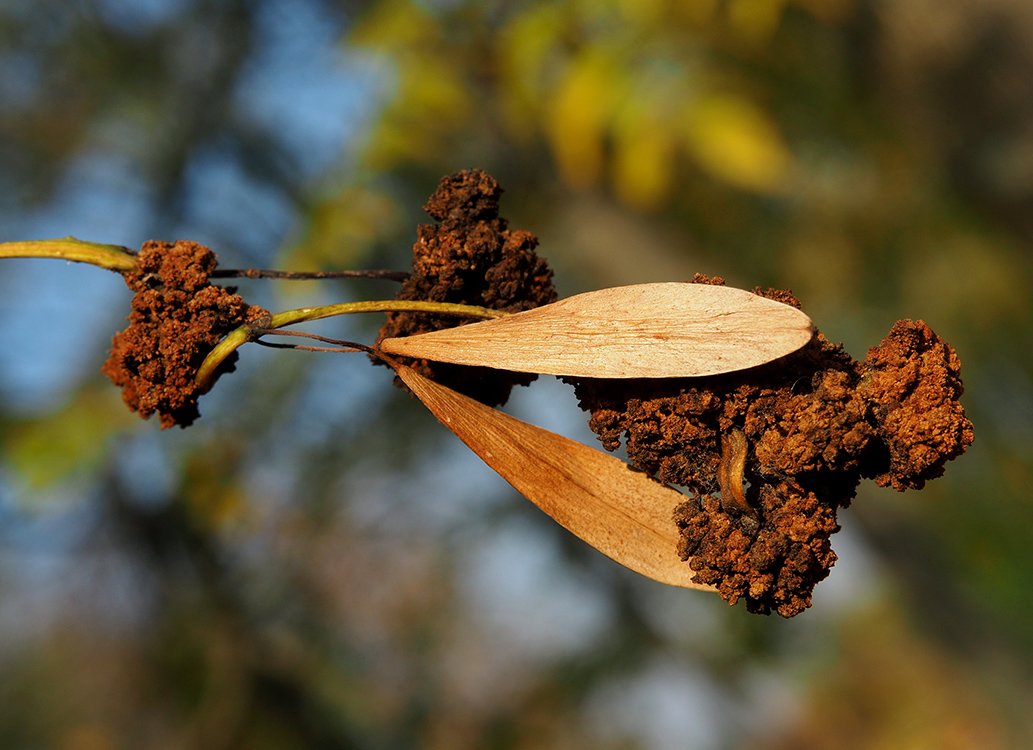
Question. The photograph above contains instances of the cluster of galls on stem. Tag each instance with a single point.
(770, 454)
(177, 317)
(767, 456)
(470, 256)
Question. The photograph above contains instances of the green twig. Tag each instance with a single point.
(111, 257)
(249, 332)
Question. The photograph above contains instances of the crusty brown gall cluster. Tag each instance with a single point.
(767, 455)
(470, 256)
(791, 439)
(176, 319)
(912, 382)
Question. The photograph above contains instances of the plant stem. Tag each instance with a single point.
(112, 257)
(266, 273)
(339, 344)
(248, 332)
(118, 258)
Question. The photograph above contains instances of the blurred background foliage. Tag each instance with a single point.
(317, 563)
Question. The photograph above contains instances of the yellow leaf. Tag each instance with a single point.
(696, 13)
(432, 102)
(393, 26)
(755, 20)
(580, 110)
(664, 330)
(431, 95)
(643, 12)
(622, 513)
(527, 44)
(643, 166)
(736, 142)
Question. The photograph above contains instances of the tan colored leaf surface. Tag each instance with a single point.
(623, 514)
(662, 330)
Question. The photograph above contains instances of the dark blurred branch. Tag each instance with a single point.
(264, 273)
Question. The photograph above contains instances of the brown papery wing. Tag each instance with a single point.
(622, 513)
(663, 330)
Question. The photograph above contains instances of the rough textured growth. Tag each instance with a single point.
(176, 318)
(814, 423)
(911, 382)
(772, 560)
(471, 257)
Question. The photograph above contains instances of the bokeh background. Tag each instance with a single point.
(317, 563)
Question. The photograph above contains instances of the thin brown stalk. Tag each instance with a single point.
(267, 273)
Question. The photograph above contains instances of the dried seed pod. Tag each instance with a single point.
(622, 513)
(662, 330)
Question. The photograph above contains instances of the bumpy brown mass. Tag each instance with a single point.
(912, 382)
(471, 257)
(176, 319)
(815, 423)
